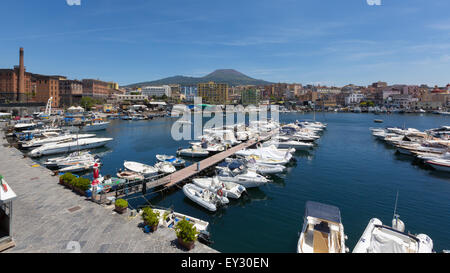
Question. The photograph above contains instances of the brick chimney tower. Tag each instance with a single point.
(21, 90)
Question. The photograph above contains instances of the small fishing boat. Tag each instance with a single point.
(175, 161)
(140, 168)
(322, 230)
(194, 151)
(229, 189)
(165, 167)
(204, 197)
(378, 121)
(129, 175)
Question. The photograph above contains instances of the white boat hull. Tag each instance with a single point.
(81, 144)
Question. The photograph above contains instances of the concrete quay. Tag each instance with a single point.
(49, 218)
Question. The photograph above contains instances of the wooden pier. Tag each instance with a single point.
(166, 182)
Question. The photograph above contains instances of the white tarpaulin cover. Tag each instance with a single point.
(383, 242)
(266, 152)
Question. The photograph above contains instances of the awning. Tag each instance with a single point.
(323, 211)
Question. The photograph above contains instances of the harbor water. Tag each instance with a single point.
(348, 168)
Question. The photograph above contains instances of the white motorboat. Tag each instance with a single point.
(246, 177)
(172, 218)
(288, 143)
(378, 238)
(24, 126)
(177, 162)
(262, 168)
(65, 147)
(323, 231)
(269, 154)
(96, 125)
(253, 165)
(209, 146)
(165, 167)
(169, 218)
(229, 189)
(194, 151)
(140, 168)
(64, 160)
(204, 197)
(36, 142)
(267, 160)
(431, 156)
(91, 126)
(440, 164)
(80, 167)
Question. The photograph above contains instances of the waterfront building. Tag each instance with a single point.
(70, 92)
(251, 96)
(119, 98)
(15, 84)
(46, 87)
(157, 91)
(189, 92)
(96, 88)
(214, 93)
(354, 98)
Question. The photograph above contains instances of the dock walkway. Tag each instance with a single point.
(179, 176)
(47, 217)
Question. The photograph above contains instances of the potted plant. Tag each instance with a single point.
(186, 234)
(121, 205)
(151, 218)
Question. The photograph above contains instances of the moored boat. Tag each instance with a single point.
(323, 231)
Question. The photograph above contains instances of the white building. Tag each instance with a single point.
(157, 91)
(354, 98)
(119, 98)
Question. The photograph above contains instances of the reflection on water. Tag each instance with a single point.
(348, 168)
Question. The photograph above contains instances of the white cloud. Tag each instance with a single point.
(73, 2)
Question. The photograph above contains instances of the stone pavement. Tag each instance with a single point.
(42, 221)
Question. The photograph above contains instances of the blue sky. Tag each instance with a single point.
(332, 42)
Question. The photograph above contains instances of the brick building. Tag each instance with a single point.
(70, 92)
(96, 88)
(46, 87)
(15, 84)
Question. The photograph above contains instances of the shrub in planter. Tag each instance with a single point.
(186, 234)
(66, 178)
(151, 218)
(81, 185)
(121, 205)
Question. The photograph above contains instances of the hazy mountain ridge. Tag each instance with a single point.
(229, 76)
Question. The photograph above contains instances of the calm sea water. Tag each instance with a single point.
(348, 168)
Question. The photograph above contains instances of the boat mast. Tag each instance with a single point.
(396, 216)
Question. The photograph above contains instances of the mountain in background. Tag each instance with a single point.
(229, 76)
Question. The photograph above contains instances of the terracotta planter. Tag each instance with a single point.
(187, 245)
(121, 210)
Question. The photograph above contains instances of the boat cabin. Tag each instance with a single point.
(322, 231)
